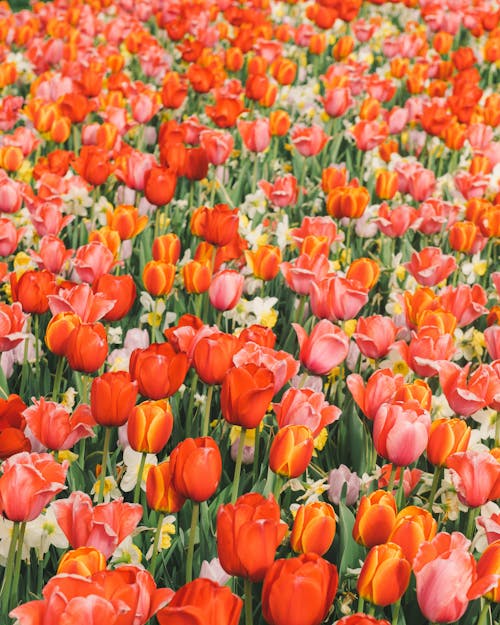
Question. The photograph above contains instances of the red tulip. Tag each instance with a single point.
(246, 394)
(158, 369)
(196, 466)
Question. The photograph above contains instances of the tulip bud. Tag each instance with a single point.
(291, 451)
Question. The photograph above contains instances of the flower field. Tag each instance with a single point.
(250, 312)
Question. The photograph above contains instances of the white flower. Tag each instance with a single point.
(214, 571)
(111, 490)
(127, 553)
(132, 460)
(43, 532)
(167, 531)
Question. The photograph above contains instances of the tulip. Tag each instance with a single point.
(202, 602)
(365, 272)
(401, 431)
(160, 492)
(112, 398)
(361, 619)
(167, 248)
(264, 262)
(149, 426)
(213, 356)
(38, 476)
(476, 476)
(412, 527)
(334, 298)
(430, 266)
(308, 141)
(325, 348)
(466, 395)
(385, 575)
(313, 528)
(121, 289)
(380, 388)
(84, 561)
(126, 221)
(59, 330)
(225, 289)
(248, 534)
(291, 451)
(337, 479)
(299, 591)
(158, 277)
(245, 395)
(86, 347)
(375, 518)
(32, 289)
(305, 407)
(255, 134)
(196, 467)
(158, 369)
(445, 572)
(159, 186)
(12, 322)
(489, 564)
(375, 335)
(446, 437)
(347, 201)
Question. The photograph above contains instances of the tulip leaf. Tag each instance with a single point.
(4, 386)
(351, 552)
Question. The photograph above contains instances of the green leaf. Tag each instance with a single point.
(351, 552)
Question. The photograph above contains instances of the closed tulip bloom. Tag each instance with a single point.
(248, 534)
(196, 466)
(364, 271)
(325, 348)
(335, 298)
(159, 185)
(380, 388)
(256, 134)
(412, 527)
(361, 619)
(87, 347)
(197, 276)
(149, 426)
(112, 398)
(32, 290)
(213, 356)
(348, 201)
(158, 277)
(385, 575)
(59, 330)
(313, 528)
(375, 518)
(126, 221)
(121, 289)
(446, 437)
(202, 602)
(246, 394)
(264, 261)
(446, 577)
(305, 407)
(386, 184)
(489, 564)
(217, 226)
(299, 591)
(225, 289)
(158, 369)
(375, 335)
(401, 431)
(308, 141)
(160, 492)
(37, 476)
(340, 478)
(84, 561)
(476, 476)
(53, 425)
(167, 247)
(291, 451)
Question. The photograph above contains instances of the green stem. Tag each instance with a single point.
(483, 617)
(395, 612)
(256, 464)
(192, 532)
(37, 351)
(278, 483)
(19, 557)
(189, 414)
(105, 452)
(85, 388)
(58, 377)
(471, 517)
(248, 602)
(435, 483)
(206, 415)
(361, 604)
(497, 430)
(392, 477)
(237, 469)
(9, 569)
(156, 542)
(137, 489)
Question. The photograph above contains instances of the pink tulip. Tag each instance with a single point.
(226, 289)
(308, 141)
(334, 298)
(337, 101)
(325, 348)
(255, 134)
(466, 395)
(218, 145)
(401, 431)
(476, 476)
(305, 407)
(375, 335)
(380, 388)
(466, 303)
(492, 340)
(300, 273)
(447, 578)
(92, 261)
(9, 236)
(430, 266)
(282, 192)
(426, 350)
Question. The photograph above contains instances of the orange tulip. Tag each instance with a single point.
(489, 564)
(375, 518)
(149, 426)
(246, 394)
(167, 248)
(413, 526)
(84, 561)
(385, 575)
(158, 369)
(366, 271)
(248, 534)
(93, 165)
(213, 356)
(121, 289)
(160, 493)
(112, 398)
(418, 390)
(87, 347)
(159, 185)
(158, 277)
(279, 122)
(32, 289)
(465, 236)
(264, 262)
(197, 276)
(59, 330)
(196, 466)
(386, 184)
(291, 451)
(313, 528)
(126, 221)
(347, 202)
(446, 437)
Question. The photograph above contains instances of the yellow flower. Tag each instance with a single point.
(269, 318)
(320, 440)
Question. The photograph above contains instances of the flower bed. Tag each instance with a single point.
(249, 312)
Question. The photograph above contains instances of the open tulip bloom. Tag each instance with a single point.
(249, 312)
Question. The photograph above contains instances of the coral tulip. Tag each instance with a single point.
(246, 394)
(112, 398)
(325, 348)
(476, 476)
(196, 466)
